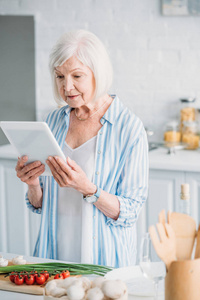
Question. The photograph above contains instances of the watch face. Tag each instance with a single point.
(91, 199)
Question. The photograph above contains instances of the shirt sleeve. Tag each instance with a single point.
(29, 205)
(132, 187)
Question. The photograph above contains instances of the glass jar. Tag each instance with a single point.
(172, 132)
(190, 135)
(188, 112)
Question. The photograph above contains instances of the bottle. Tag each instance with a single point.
(185, 199)
(188, 111)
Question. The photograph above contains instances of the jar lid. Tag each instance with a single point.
(188, 100)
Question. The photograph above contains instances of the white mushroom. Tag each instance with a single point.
(58, 292)
(3, 261)
(95, 294)
(18, 260)
(86, 283)
(115, 289)
(97, 282)
(65, 283)
(50, 286)
(75, 292)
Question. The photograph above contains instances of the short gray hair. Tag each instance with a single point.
(87, 48)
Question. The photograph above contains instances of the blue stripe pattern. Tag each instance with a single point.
(121, 169)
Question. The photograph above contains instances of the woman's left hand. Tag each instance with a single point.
(69, 174)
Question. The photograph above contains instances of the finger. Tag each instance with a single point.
(32, 173)
(54, 172)
(154, 237)
(21, 161)
(23, 171)
(161, 217)
(170, 231)
(169, 216)
(63, 165)
(161, 232)
(73, 164)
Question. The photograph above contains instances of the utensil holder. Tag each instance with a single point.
(182, 280)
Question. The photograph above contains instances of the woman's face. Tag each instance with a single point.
(75, 82)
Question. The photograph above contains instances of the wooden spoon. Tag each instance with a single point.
(184, 227)
(197, 250)
(166, 246)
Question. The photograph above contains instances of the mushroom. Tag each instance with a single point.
(18, 260)
(115, 289)
(3, 261)
(86, 283)
(97, 282)
(50, 286)
(75, 292)
(58, 292)
(65, 283)
(95, 294)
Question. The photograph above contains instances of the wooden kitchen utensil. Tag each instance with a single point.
(166, 246)
(182, 280)
(197, 250)
(184, 227)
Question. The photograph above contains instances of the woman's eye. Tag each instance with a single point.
(77, 76)
(59, 76)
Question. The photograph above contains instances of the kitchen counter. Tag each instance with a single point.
(182, 160)
(5, 295)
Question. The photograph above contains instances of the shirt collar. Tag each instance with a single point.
(113, 111)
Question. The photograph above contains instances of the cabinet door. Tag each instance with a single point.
(164, 190)
(193, 178)
(18, 230)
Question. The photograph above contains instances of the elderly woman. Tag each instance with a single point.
(89, 207)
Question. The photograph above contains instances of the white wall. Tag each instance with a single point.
(156, 59)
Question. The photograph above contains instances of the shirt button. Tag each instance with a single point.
(99, 152)
(94, 237)
(97, 172)
(94, 217)
(100, 132)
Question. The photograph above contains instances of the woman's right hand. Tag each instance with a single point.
(29, 173)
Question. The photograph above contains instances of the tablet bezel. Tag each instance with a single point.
(29, 151)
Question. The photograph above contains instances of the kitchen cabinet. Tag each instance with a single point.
(18, 226)
(166, 174)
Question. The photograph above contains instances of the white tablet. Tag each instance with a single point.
(33, 139)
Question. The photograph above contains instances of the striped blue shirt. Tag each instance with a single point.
(121, 169)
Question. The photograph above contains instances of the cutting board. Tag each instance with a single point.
(7, 285)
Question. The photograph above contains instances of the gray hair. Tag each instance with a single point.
(87, 48)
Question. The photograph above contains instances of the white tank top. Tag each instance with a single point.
(74, 230)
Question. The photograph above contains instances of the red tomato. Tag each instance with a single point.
(29, 279)
(46, 275)
(19, 280)
(58, 276)
(40, 279)
(65, 274)
(12, 277)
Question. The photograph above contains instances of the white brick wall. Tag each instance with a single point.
(156, 59)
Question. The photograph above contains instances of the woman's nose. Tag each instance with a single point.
(68, 84)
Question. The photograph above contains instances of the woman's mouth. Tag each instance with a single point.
(72, 97)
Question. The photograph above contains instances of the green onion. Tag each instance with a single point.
(74, 269)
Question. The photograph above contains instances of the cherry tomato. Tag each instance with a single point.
(65, 274)
(46, 275)
(58, 276)
(19, 280)
(40, 279)
(12, 277)
(29, 279)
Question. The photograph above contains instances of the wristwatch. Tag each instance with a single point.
(93, 198)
